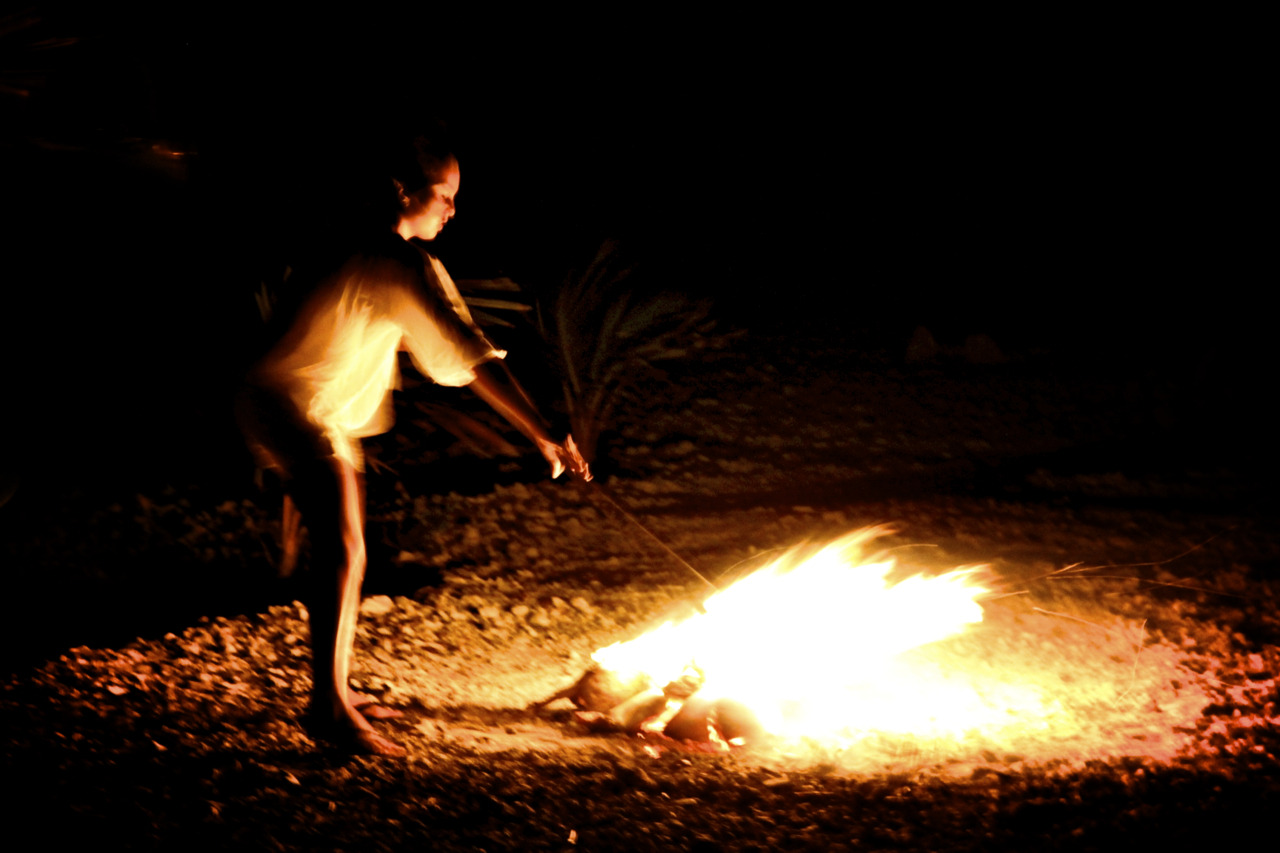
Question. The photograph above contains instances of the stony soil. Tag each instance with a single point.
(1133, 541)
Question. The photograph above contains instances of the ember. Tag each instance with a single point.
(815, 645)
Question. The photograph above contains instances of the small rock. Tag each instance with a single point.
(922, 346)
(376, 605)
(982, 349)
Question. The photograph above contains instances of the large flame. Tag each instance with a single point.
(820, 646)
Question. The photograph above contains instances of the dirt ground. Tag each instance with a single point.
(1117, 499)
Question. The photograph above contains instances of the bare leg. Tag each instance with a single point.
(290, 535)
(367, 706)
(332, 501)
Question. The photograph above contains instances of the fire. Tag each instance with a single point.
(826, 646)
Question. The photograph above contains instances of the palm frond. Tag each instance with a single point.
(606, 335)
(492, 300)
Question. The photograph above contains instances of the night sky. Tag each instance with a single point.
(1077, 196)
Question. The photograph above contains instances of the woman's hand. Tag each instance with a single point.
(499, 389)
(562, 456)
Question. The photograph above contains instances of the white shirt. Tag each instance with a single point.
(337, 362)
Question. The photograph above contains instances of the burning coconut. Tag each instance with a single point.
(816, 645)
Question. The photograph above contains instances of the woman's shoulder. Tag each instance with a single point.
(426, 267)
(388, 257)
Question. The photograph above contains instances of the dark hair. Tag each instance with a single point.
(409, 165)
(422, 162)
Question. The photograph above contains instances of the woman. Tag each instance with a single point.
(327, 383)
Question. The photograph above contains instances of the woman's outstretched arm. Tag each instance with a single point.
(497, 387)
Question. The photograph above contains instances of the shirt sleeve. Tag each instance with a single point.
(439, 333)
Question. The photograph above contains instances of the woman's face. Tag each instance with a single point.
(430, 208)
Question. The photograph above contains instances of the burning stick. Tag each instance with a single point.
(607, 702)
(598, 690)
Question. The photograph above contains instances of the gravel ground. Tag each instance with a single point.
(1130, 531)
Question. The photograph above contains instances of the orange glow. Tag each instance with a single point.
(821, 646)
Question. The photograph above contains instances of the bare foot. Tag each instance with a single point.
(354, 736)
(369, 742)
(370, 709)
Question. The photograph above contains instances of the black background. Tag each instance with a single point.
(1078, 187)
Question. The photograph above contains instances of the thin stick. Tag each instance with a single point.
(1152, 583)
(1077, 568)
(757, 555)
(1133, 674)
(1069, 616)
(1076, 571)
(597, 489)
(997, 597)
